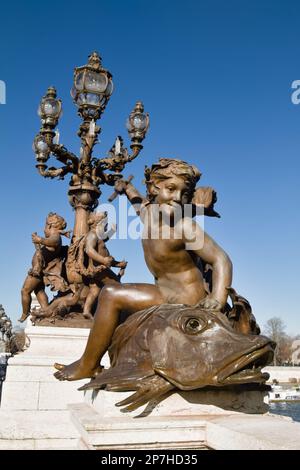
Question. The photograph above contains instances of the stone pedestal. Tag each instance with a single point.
(33, 409)
(214, 419)
(37, 412)
(29, 383)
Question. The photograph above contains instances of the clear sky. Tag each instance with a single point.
(216, 79)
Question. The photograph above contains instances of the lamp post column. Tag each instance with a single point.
(91, 91)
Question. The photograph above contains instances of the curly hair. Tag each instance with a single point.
(167, 168)
(57, 221)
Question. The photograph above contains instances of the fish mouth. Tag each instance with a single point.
(247, 368)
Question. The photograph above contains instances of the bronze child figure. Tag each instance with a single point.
(48, 248)
(172, 260)
(93, 262)
(99, 260)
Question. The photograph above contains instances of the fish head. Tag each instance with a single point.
(193, 348)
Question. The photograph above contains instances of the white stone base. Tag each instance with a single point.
(191, 403)
(129, 433)
(34, 412)
(32, 429)
(183, 421)
(250, 432)
(33, 409)
(29, 383)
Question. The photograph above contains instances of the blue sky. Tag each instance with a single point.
(216, 79)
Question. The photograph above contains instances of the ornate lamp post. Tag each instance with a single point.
(91, 92)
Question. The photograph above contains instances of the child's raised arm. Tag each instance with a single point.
(53, 241)
(133, 195)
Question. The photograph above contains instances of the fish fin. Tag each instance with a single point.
(148, 389)
(240, 316)
(118, 379)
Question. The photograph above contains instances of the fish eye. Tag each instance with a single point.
(194, 325)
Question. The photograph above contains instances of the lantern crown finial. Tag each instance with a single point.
(51, 92)
(95, 60)
(139, 107)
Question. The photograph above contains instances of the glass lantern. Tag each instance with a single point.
(41, 148)
(138, 123)
(50, 108)
(92, 88)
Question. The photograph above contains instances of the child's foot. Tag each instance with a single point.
(88, 315)
(75, 371)
(23, 317)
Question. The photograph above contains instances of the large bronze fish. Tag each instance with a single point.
(176, 346)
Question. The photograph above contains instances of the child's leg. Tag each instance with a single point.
(37, 264)
(42, 297)
(90, 300)
(30, 284)
(112, 300)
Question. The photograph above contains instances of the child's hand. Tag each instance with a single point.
(122, 264)
(209, 303)
(35, 238)
(108, 261)
(120, 186)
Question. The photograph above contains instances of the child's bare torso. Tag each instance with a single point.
(174, 269)
(52, 252)
(107, 275)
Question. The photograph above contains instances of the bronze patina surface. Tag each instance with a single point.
(73, 271)
(171, 347)
(187, 330)
(180, 276)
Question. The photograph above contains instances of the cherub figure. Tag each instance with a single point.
(48, 248)
(173, 261)
(93, 262)
(100, 261)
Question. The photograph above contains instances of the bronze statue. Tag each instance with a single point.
(48, 253)
(91, 92)
(178, 279)
(171, 322)
(92, 261)
(97, 272)
(169, 347)
(11, 340)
